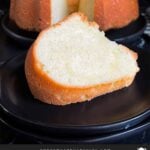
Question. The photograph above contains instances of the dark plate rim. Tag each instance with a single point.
(137, 118)
(132, 36)
(93, 139)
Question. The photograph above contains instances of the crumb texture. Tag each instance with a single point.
(76, 54)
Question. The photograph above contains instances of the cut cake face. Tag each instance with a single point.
(76, 53)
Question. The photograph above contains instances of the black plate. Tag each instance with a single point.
(129, 33)
(116, 111)
(105, 139)
(23, 37)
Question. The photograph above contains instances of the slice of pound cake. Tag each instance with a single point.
(73, 61)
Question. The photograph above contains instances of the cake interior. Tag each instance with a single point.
(77, 54)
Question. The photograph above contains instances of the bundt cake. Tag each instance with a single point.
(35, 15)
(110, 14)
(63, 67)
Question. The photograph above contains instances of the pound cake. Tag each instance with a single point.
(110, 14)
(36, 15)
(73, 61)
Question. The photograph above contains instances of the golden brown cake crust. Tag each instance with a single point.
(110, 14)
(73, 5)
(49, 91)
(24, 14)
(44, 14)
(30, 15)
